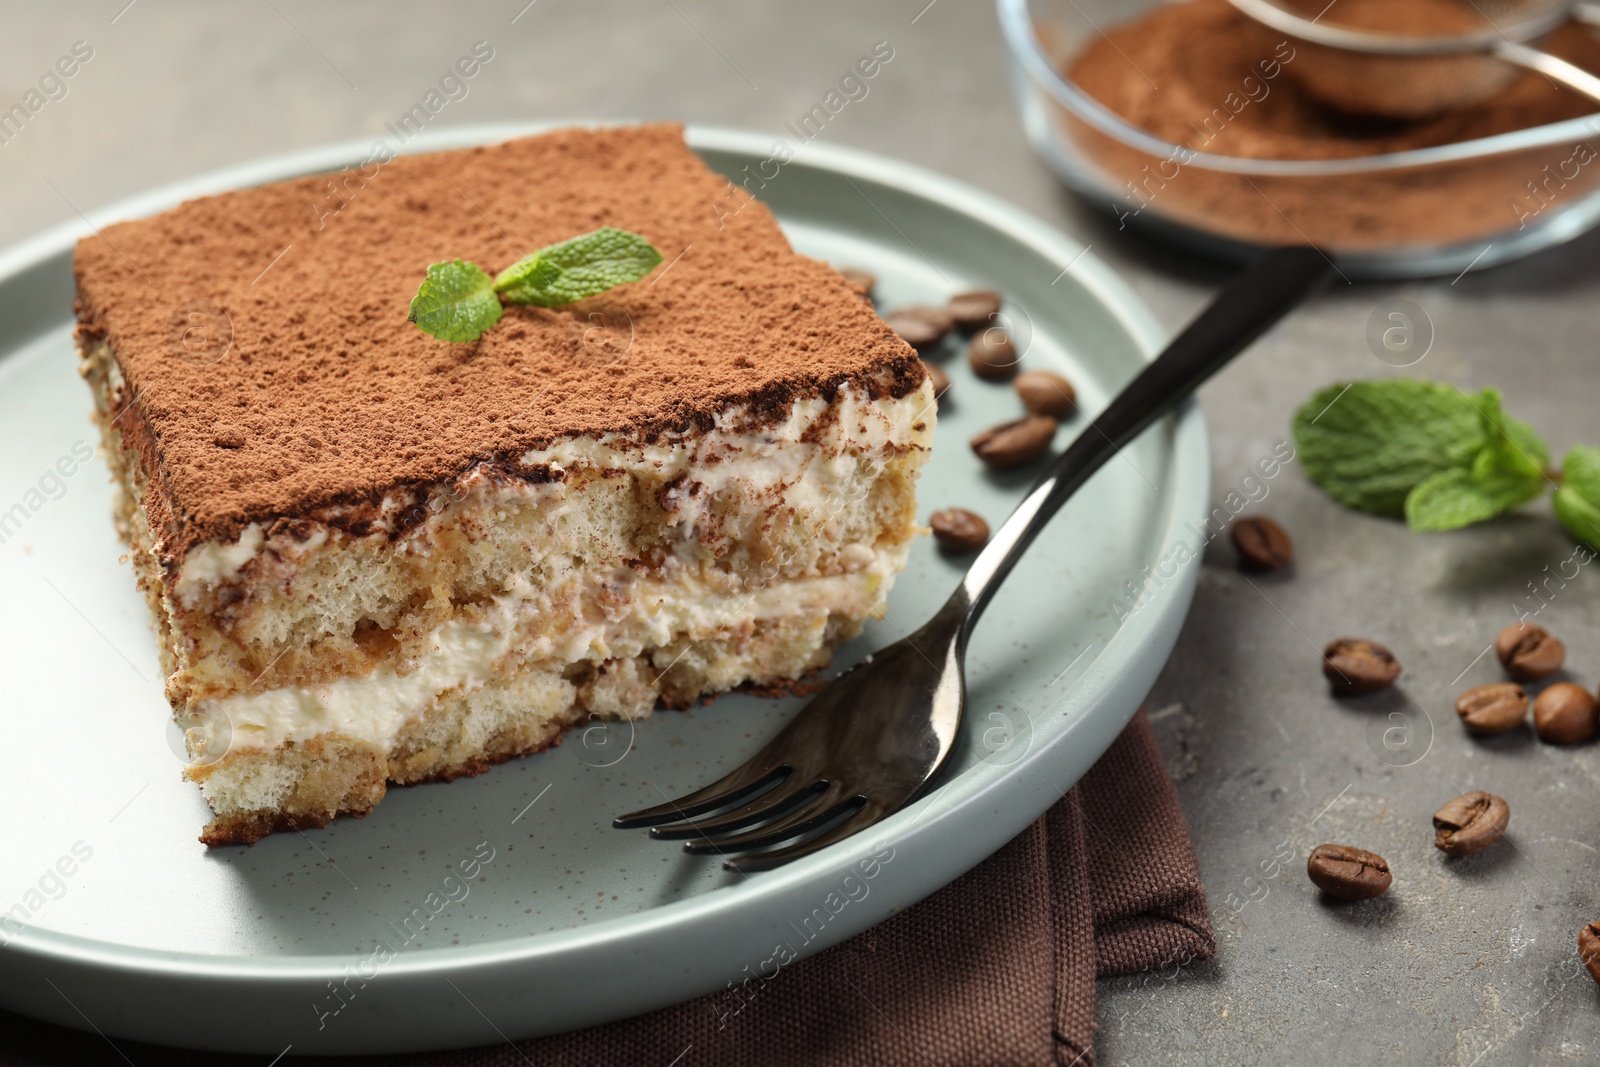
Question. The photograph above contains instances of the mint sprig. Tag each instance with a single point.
(458, 301)
(1506, 471)
(1437, 456)
(1370, 443)
(1577, 502)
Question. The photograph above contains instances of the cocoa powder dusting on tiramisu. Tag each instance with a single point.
(327, 395)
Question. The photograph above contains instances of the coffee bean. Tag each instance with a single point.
(918, 325)
(1470, 823)
(1348, 873)
(974, 310)
(1529, 652)
(1044, 393)
(940, 380)
(1565, 713)
(1493, 709)
(992, 355)
(1355, 665)
(959, 530)
(1012, 444)
(863, 281)
(1589, 949)
(1263, 545)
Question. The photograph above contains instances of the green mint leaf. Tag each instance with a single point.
(530, 274)
(1452, 499)
(1577, 502)
(1507, 470)
(1513, 458)
(1449, 500)
(455, 302)
(1368, 444)
(584, 266)
(1580, 472)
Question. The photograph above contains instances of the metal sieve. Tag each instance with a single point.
(1405, 76)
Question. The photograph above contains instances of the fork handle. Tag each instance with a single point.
(1242, 312)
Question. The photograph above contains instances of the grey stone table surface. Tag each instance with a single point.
(1465, 961)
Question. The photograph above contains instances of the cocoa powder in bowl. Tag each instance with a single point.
(1221, 92)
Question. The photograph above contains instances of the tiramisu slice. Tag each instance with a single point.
(375, 556)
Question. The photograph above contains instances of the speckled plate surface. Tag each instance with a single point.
(505, 904)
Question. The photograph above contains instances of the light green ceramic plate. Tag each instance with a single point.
(117, 917)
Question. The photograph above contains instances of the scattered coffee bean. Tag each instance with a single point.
(1493, 709)
(1012, 444)
(1263, 545)
(1044, 393)
(940, 380)
(974, 310)
(1348, 873)
(1470, 823)
(1354, 665)
(959, 530)
(1565, 714)
(1589, 949)
(992, 355)
(918, 325)
(861, 280)
(1529, 652)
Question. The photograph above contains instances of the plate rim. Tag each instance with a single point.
(806, 879)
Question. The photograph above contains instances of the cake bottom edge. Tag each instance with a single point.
(306, 784)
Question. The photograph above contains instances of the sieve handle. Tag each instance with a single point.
(1556, 69)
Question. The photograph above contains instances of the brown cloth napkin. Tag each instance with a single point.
(997, 968)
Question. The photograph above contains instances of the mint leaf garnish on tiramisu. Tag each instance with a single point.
(582, 267)
(459, 301)
(456, 301)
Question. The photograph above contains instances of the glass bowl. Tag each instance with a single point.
(1378, 215)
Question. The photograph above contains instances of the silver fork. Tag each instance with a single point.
(869, 742)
